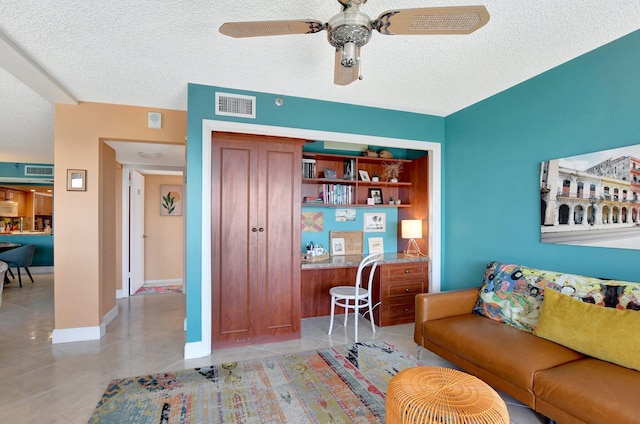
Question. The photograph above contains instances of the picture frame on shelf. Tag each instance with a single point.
(364, 175)
(376, 195)
(330, 174)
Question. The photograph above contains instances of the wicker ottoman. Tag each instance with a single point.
(442, 395)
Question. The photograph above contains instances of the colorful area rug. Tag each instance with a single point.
(345, 384)
(158, 290)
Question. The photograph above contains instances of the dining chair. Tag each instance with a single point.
(3, 272)
(356, 297)
(20, 257)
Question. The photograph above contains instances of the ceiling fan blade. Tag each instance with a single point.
(432, 20)
(264, 28)
(343, 75)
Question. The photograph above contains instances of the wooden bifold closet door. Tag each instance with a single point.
(255, 259)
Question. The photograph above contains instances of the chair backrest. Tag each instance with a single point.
(20, 256)
(372, 261)
(3, 270)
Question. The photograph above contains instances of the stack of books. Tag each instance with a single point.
(313, 200)
(308, 168)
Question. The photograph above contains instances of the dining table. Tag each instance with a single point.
(4, 246)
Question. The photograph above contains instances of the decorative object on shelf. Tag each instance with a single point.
(349, 169)
(76, 180)
(370, 153)
(392, 171)
(330, 174)
(364, 175)
(376, 245)
(170, 200)
(391, 202)
(412, 229)
(375, 222)
(376, 194)
(398, 201)
(385, 154)
(375, 177)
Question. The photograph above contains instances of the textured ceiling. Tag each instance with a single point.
(144, 52)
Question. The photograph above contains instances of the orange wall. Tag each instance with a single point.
(85, 238)
(163, 245)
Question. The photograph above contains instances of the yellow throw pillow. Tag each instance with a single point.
(605, 333)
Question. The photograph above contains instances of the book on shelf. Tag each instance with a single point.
(336, 194)
(308, 199)
(308, 168)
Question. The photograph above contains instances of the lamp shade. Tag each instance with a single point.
(411, 228)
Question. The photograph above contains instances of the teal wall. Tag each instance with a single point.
(296, 112)
(16, 170)
(493, 155)
(43, 255)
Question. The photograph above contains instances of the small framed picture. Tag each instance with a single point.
(337, 246)
(376, 195)
(375, 222)
(376, 245)
(76, 180)
(330, 174)
(364, 175)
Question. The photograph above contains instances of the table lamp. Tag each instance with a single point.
(412, 229)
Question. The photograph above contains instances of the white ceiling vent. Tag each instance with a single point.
(235, 105)
(38, 171)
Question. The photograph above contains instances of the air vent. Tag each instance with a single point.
(38, 171)
(235, 105)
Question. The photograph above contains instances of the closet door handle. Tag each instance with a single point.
(253, 230)
(261, 229)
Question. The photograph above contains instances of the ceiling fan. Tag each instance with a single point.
(351, 29)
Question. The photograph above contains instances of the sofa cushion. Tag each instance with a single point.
(513, 294)
(591, 390)
(509, 353)
(604, 333)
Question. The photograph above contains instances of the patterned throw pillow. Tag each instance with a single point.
(513, 294)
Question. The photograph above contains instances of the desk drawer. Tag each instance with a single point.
(403, 271)
(401, 310)
(403, 288)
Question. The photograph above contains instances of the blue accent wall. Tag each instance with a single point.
(296, 112)
(493, 155)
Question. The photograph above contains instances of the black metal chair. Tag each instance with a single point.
(19, 257)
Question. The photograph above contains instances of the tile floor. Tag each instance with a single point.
(45, 383)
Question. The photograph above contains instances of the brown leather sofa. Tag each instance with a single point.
(561, 384)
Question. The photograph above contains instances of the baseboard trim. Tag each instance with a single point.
(78, 334)
(41, 269)
(169, 282)
(195, 350)
(110, 316)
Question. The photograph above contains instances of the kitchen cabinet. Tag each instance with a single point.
(7, 194)
(21, 198)
(396, 291)
(255, 231)
(42, 204)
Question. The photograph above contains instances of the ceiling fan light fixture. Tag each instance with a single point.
(349, 55)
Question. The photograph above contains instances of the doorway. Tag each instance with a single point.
(152, 246)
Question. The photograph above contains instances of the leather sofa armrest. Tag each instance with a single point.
(431, 306)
